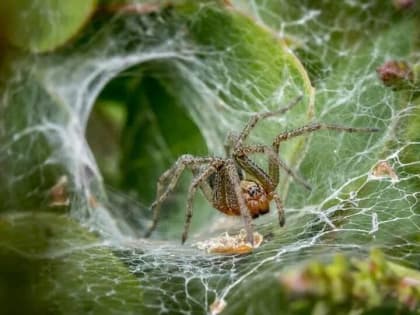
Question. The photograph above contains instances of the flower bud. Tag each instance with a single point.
(396, 74)
(404, 4)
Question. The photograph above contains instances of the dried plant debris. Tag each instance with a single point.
(230, 244)
(383, 170)
(59, 193)
(217, 306)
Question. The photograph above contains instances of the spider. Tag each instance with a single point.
(223, 181)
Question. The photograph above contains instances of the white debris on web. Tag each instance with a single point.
(230, 244)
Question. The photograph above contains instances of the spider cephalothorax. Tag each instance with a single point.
(256, 198)
(222, 180)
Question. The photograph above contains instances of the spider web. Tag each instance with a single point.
(349, 210)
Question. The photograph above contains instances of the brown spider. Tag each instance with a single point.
(222, 180)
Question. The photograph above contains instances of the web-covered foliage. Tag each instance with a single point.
(167, 79)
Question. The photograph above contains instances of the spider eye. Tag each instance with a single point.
(254, 190)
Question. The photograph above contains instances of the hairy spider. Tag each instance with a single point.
(222, 180)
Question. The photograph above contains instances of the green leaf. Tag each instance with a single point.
(43, 25)
(49, 264)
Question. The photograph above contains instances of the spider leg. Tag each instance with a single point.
(204, 186)
(173, 173)
(255, 171)
(274, 163)
(229, 143)
(257, 117)
(197, 182)
(315, 127)
(280, 209)
(234, 179)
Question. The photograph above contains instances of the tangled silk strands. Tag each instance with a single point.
(353, 206)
